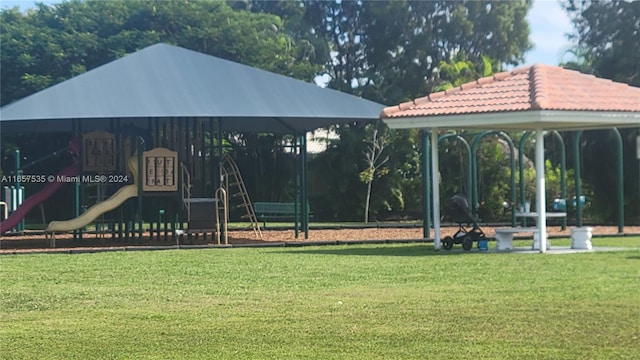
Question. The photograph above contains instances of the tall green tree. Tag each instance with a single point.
(52, 43)
(608, 37)
(389, 52)
(608, 45)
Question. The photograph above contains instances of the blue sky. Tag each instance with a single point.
(548, 22)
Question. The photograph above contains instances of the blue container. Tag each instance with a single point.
(483, 245)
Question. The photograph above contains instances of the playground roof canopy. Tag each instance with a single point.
(164, 81)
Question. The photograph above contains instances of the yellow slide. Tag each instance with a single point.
(124, 193)
(96, 210)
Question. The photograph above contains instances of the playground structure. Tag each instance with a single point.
(187, 212)
(185, 102)
(154, 173)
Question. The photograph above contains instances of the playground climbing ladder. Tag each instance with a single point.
(234, 178)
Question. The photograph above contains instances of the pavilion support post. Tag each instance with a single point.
(303, 184)
(512, 177)
(298, 180)
(620, 179)
(523, 139)
(578, 176)
(140, 146)
(563, 173)
(426, 186)
(435, 172)
(19, 195)
(469, 164)
(540, 191)
(187, 138)
(214, 127)
(180, 150)
(202, 156)
(217, 174)
(77, 193)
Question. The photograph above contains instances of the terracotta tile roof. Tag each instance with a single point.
(536, 87)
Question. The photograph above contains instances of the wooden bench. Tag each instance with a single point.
(275, 211)
(504, 237)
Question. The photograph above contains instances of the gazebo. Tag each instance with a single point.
(164, 89)
(536, 98)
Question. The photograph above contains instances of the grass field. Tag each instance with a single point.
(401, 301)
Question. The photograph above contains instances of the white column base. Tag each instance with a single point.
(536, 242)
(581, 238)
(504, 241)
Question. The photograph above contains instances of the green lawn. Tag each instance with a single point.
(335, 302)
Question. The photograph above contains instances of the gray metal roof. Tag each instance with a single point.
(164, 81)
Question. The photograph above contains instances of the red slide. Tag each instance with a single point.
(36, 199)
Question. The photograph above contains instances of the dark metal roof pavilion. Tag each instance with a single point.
(164, 81)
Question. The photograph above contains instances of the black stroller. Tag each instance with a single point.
(459, 211)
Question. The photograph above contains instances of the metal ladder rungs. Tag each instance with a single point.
(231, 170)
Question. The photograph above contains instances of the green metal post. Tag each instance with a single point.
(298, 181)
(119, 145)
(616, 135)
(426, 185)
(77, 235)
(140, 180)
(523, 139)
(180, 150)
(220, 154)
(576, 154)
(303, 185)
(203, 165)
(563, 173)
(160, 216)
(18, 193)
(512, 164)
(187, 132)
(211, 150)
